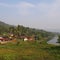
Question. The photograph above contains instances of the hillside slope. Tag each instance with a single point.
(21, 30)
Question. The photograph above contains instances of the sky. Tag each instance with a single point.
(41, 14)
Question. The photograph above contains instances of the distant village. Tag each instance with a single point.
(10, 33)
(11, 37)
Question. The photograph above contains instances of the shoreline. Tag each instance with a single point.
(53, 41)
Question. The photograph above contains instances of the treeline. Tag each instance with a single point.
(3, 29)
(25, 31)
(58, 38)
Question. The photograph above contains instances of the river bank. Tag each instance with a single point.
(54, 41)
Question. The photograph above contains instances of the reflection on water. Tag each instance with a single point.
(53, 41)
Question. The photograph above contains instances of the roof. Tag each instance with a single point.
(1, 38)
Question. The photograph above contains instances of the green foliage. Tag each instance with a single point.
(24, 31)
(59, 39)
(29, 51)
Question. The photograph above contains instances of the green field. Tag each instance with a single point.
(29, 51)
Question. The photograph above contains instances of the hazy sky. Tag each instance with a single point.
(43, 14)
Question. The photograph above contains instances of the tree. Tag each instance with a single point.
(11, 29)
(59, 39)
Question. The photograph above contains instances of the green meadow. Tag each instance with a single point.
(29, 50)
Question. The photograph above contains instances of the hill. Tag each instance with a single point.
(29, 50)
(4, 27)
(24, 31)
(4, 24)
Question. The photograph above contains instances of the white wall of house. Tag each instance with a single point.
(25, 39)
(1, 37)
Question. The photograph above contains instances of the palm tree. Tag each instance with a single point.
(11, 30)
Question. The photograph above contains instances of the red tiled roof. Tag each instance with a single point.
(1, 38)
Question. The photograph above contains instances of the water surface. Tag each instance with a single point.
(54, 41)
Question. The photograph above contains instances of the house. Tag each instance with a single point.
(22, 37)
(1, 39)
(25, 39)
(28, 38)
(4, 38)
(11, 36)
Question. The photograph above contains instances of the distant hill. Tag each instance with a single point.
(21, 30)
(3, 27)
(54, 30)
(4, 24)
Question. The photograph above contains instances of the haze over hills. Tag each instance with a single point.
(8, 25)
(22, 30)
(53, 30)
(4, 24)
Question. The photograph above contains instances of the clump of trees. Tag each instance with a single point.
(25, 31)
(59, 39)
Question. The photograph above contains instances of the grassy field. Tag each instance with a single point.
(29, 51)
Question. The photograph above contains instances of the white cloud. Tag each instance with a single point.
(24, 8)
(7, 5)
(25, 5)
(51, 9)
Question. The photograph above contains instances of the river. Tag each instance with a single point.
(54, 41)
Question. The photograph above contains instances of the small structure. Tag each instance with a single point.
(11, 36)
(5, 38)
(1, 39)
(28, 38)
(25, 39)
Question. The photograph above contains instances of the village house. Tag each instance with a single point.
(1, 39)
(28, 38)
(11, 36)
(25, 39)
(4, 38)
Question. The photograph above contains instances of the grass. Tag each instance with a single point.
(29, 51)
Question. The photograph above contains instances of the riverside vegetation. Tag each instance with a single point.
(58, 38)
